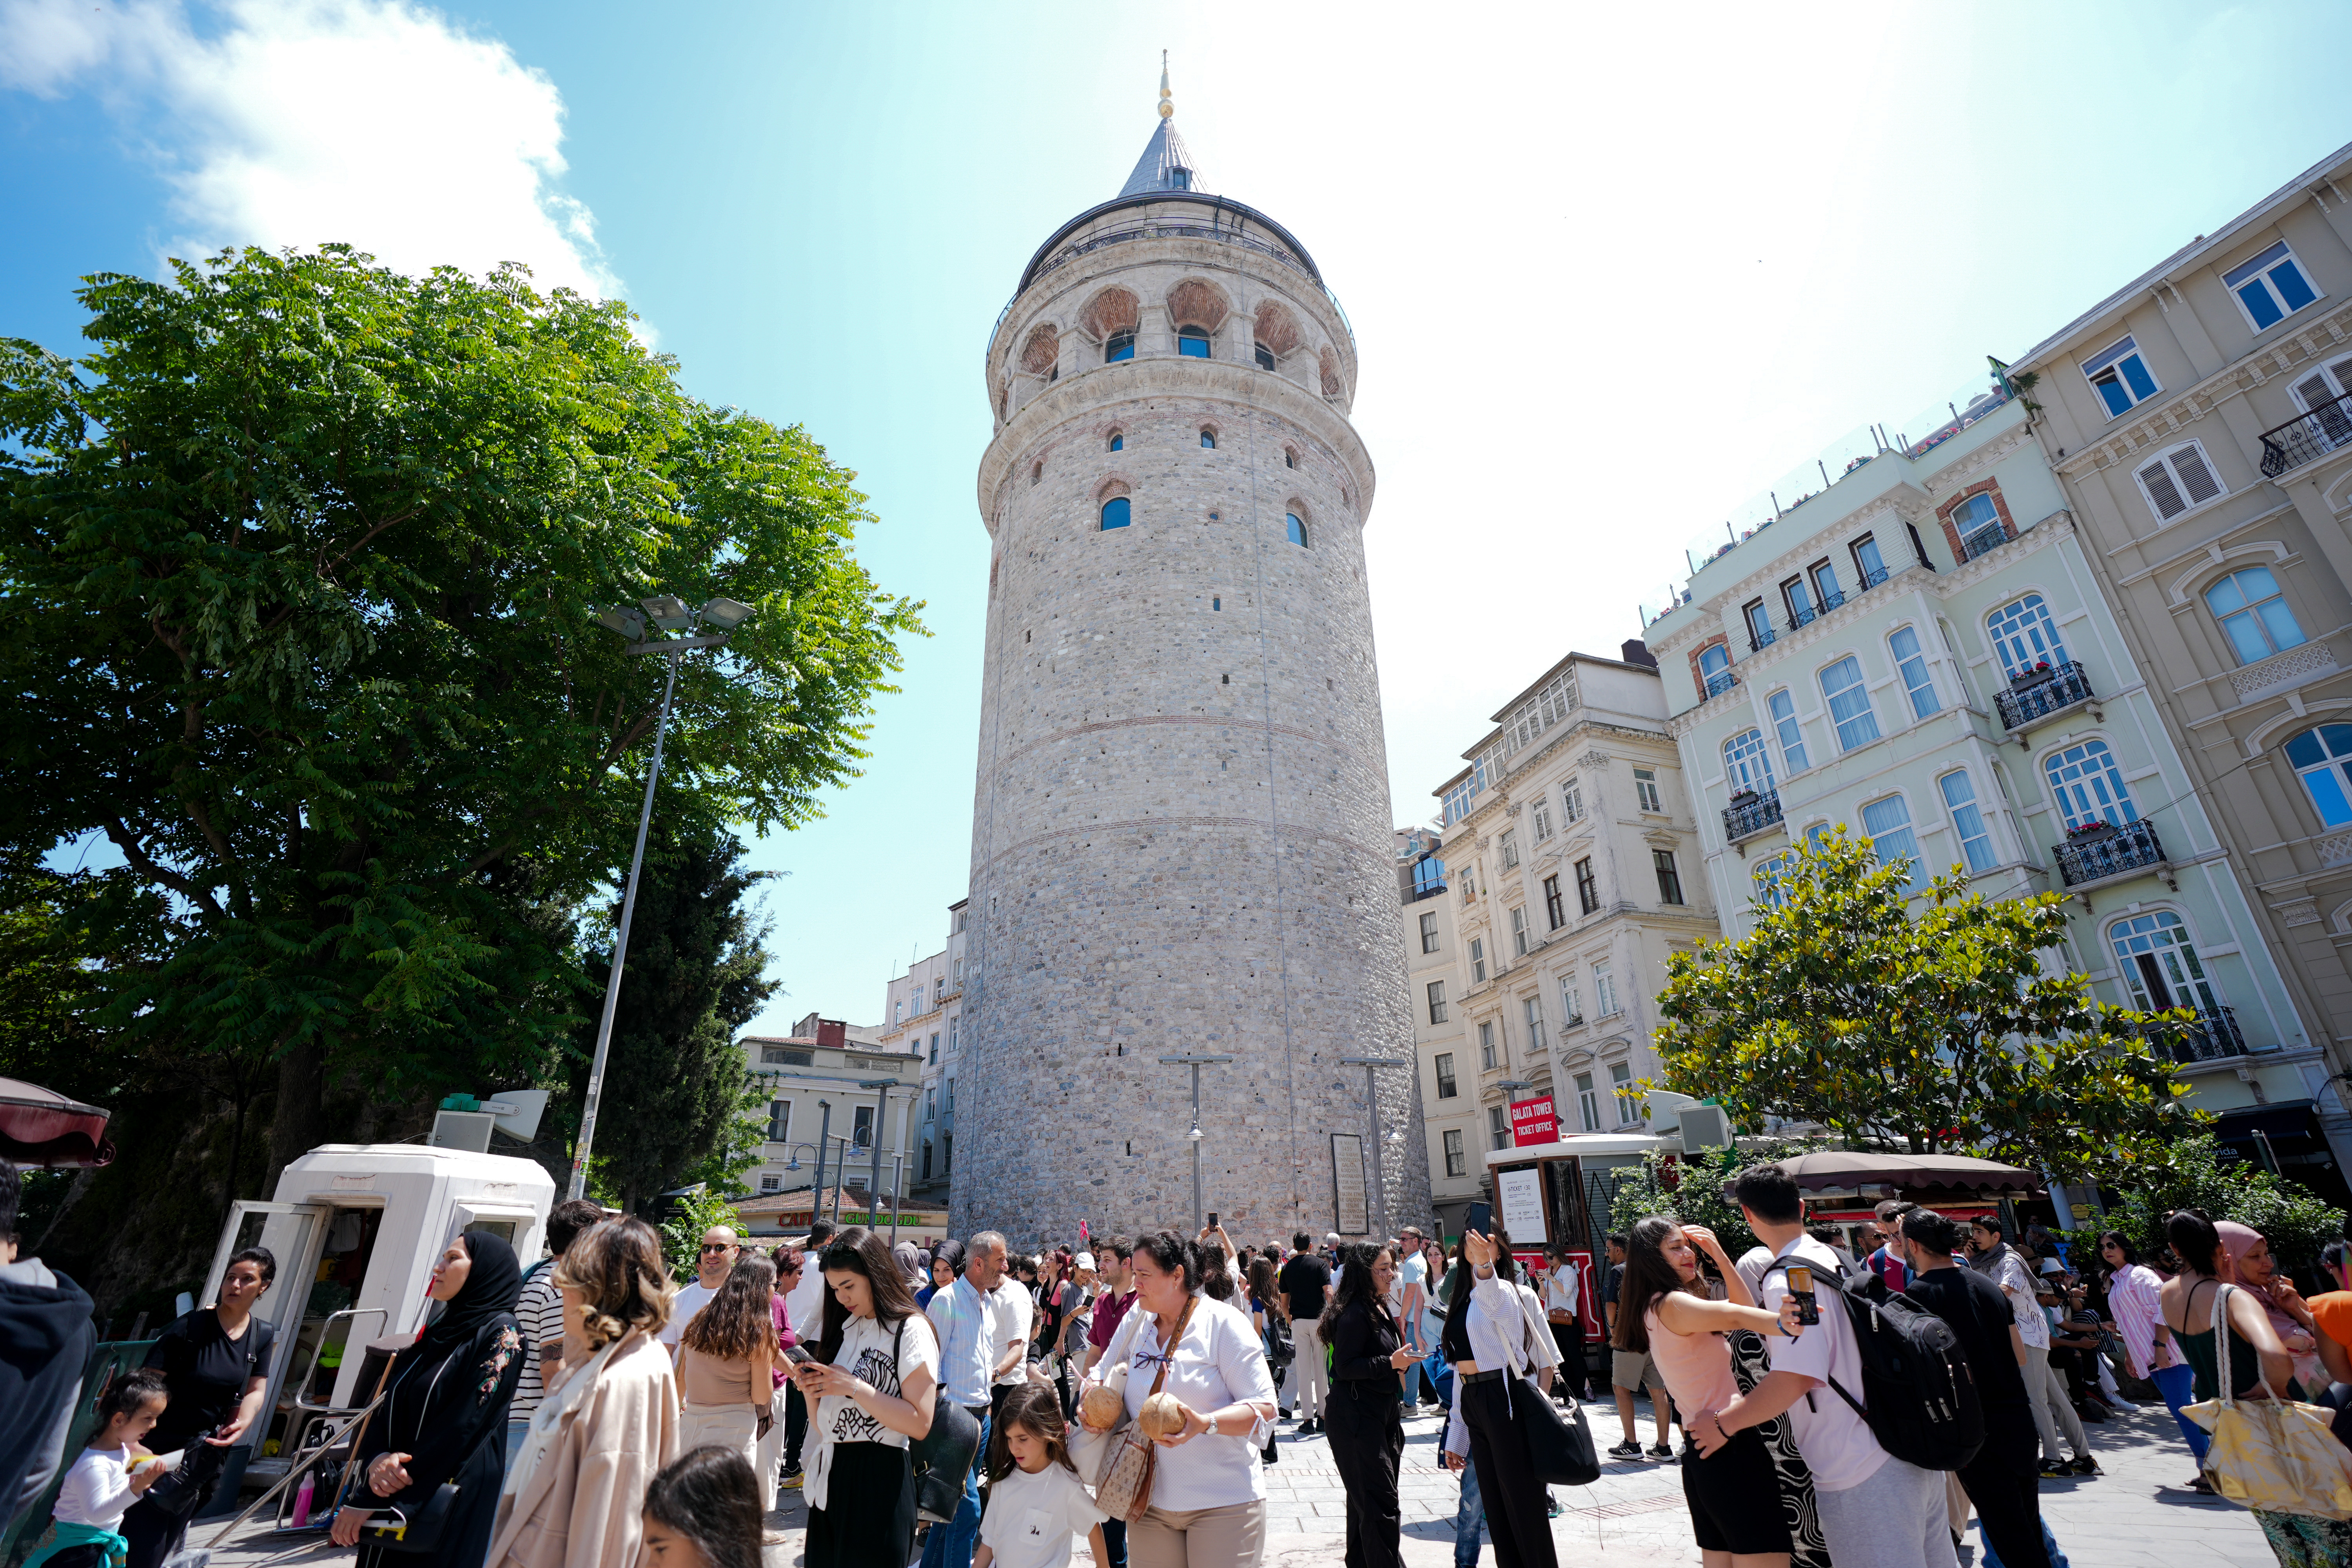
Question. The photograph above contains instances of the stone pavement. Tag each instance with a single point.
(2135, 1516)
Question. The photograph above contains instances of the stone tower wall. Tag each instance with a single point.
(1181, 816)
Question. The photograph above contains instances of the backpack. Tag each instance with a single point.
(1922, 1404)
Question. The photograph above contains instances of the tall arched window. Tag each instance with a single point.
(1715, 669)
(2023, 635)
(1114, 512)
(1118, 441)
(1118, 347)
(1192, 341)
(2160, 966)
(1768, 882)
(1745, 763)
(2089, 786)
(2323, 760)
(1298, 529)
(2251, 610)
(1209, 440)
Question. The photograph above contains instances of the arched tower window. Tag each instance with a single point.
(1298, 529)
(1192, 341)
(1113, 513)
(1264, 357)
(1209, 440)
(1118, 347)
(1290, 457)
(1118, 440)
(1043, 346)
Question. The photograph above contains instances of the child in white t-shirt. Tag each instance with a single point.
(1036, 1501)
(101, 1485)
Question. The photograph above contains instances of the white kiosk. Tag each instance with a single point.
(356, 1229)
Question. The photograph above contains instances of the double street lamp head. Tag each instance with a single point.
(669, 613)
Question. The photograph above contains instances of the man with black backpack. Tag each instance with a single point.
(1877, 1510)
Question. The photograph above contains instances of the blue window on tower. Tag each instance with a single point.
(1120, 346)
(1298, 529)
(2120, 376)
(1118, 443)
(1209, 440)
(1114, 512)
(1192, 341)
(2272, 287)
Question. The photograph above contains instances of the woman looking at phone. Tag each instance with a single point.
(871, 1388)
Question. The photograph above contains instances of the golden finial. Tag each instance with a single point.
(1167, 109)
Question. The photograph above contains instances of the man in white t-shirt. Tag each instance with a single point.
(1874, 1508)
(1412, 1300)
(721, 1248)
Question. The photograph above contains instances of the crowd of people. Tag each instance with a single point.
(989, 1410)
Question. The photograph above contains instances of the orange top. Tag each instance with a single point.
(2332, 1313)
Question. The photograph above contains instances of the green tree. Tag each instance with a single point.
(1690, 1187)
(1939, 1030)
(681, 1233)
(2199, 1172)
(679, 1098)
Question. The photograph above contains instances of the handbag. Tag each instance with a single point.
(1126, 1487)
(1559, 1441)
(942, 1456)
(419, 1532)
(2275, 1454)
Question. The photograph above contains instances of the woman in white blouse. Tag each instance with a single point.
(1208, 1498)
(1494, 1333)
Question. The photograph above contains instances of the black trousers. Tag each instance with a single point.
(796, 1425)
(1366, 1425)
(1569, 1337)
(869, 1520)
(1516, 1518)
(2004, 1482)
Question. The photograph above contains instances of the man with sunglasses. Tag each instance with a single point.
(719, 1250)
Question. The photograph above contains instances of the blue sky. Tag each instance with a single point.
(1608, 280)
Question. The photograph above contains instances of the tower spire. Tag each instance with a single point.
(1167, 106)
(1166, 163)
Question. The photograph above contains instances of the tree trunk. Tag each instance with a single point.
(299, 1125)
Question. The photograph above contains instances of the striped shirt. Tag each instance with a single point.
(2131, 1296)
(968, 1342)
(541, 1314)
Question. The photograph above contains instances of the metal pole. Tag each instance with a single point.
(897, 1179)
(823, 1137)
(873, 1182)
(1198, 1213)
(587, 1137)
(839, 1167)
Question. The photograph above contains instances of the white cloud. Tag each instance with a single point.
(372, 121)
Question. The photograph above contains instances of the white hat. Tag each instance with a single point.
(1086, 1260)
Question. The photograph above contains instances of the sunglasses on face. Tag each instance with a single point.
(710, 1246)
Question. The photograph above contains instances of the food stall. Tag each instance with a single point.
(1556, 1192)
(1842, 1187)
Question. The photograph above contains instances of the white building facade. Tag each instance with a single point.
(922, 1012)
(836, 1086)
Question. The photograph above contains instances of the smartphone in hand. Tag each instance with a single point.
(1800, 1287)
(798, 1357)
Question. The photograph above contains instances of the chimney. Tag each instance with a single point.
(831, 1032)
(1636, 651)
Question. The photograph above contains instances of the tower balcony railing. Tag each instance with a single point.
(1746, 817)
(2107, 852)
(2042, 698)
(2308, 436)
(1721, 681)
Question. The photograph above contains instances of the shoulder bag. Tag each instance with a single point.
(1559, 1442)
(2275, 1454)
(942, 1456)
(1125, 1491)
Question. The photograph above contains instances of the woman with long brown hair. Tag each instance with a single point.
(871, 1390)
(1363, 1417)
(725, 1362)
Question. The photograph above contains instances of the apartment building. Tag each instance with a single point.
(2201, 422)
(922, 1012)
(1918, 650)
(834, 1086)
(1571, 860)
(1451, 1118)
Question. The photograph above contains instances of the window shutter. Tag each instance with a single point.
(2314, 389)
(2161, 492)
(2197, 479)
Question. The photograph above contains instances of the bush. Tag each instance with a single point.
(2199, 1172)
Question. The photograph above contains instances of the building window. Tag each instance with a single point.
(1869, 565)
(1478, 960)
(1458, 1164)
(1264, 355)
(1437, 1001)
(1532, 1007)
(2322, 758)
(2160, 965)
(1645, 790)
(1588, 1104)
(1571, 1013)
(935, 1050)
(1783, 708)
(1208, 440)
(772, 1184)
(1670, 882)
(949, 1096)
(779, 1120)
(1768, 882)
(1498, 1127)
(2089, 786)
(1429, 932)
(1825, 585)
(1539, 814)
(1469, 888)
(1587, 889)
(1118, 442)
(1888, 823)
(1486, 1056)
(1118, 347)
(1114, 512)
(947, 1155)
(1519, 932)
(1289, 457)
(1714, 670)
(951, 1031)
(1572, 802)
(1447, 1086)
(862, 1127)
(926, 1159)
(2179, 481)
(1976, 839)
(1912, 666)
(1759, 623)
(2120, 377)
(1511, 848)
(2270, 287)
(2250, 608)
(1192, 343)
(1604, 992)
(778, 1055)
(932, 1104)
(1849, 700)
(1555, 907)
(1745, 765)
(2023, 635)
(1297, 529)
(1799, 600)
(1621, 1085)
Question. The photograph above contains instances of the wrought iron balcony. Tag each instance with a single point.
(2206, 1037)
(2324, 429)
(2065, 687)
(1760, 638)
(1807, 615)
(1721, 681)
(1744, 819)
(1992, 536)
(2098, 856)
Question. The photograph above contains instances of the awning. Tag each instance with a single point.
(41, 1127)
(1847, 1170)
(2288, 1119)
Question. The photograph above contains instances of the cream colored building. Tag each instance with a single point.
(922, 1013)
(1449, 1098)
(820, 1085)
(2200, 421)
(1573, 868)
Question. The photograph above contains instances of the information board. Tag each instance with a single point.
(1533, 1121)
(1518, 1204)
(1351, 1210)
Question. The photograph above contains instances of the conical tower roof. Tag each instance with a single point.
(1167, 162)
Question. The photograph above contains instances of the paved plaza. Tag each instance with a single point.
(2135, 1516)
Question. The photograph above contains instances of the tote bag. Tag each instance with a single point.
(2275, 1454)
(1126, 1488)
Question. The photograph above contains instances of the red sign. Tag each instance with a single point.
(1532, 1121)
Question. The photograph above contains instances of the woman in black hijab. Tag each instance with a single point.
(443, 1417)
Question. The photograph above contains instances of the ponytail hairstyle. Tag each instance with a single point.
(2194, 1241)
(129, 1394)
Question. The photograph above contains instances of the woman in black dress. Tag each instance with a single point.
(1362, 1417)
(216, 1367)
(443, 1417)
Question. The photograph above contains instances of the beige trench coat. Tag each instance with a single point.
(583, 1507)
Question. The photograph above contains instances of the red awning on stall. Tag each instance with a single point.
(41, 1127)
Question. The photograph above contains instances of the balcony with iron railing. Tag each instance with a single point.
(2307, 436)
(1746, 817)
(1721, 681)
(2043, 696)
(1762, 634)
(2204, 1037)
(1991, 537)
(2107, 852)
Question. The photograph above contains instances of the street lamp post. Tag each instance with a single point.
(670, 614)
(1372, 1065)
(1196, 1063)
(881, 1088)
(823, 1140)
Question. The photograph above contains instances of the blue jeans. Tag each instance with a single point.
(2049, 1543)
(1467, 1518)
(2178, 1386)
(950, 1545)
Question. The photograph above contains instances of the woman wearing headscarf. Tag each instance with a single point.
(2258, 1272)
(444, 1416)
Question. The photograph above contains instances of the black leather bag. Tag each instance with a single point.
(416, 1532)
(1559, 1442)
(943, 1457)
(191, 1485)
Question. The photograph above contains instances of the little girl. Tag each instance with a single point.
(703, 1511)
(1036, 1502)
(102, 1487)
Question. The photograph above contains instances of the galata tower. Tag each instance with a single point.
(1181, 833)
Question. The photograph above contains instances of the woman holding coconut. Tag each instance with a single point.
(1215, 1408)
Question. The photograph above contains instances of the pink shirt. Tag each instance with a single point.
(2131, 1296)
(1696, 1367)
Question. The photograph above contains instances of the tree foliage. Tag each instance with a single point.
(1690, 1187)
(299, 568)
(681, 1231)
(2199, 1172)
(1938, 1030)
